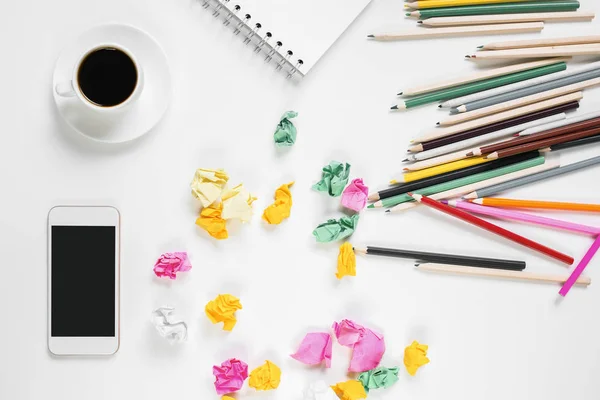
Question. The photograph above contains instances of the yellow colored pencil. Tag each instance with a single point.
(455, 3)
(439, 169)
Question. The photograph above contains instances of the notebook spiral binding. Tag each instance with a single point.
(253, 34)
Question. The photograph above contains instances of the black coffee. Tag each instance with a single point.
(107, 77)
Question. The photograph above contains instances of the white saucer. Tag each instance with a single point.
(147, 110)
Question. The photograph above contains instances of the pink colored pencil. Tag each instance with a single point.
(580, 267)
(523, 217)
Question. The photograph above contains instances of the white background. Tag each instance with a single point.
(488, 339)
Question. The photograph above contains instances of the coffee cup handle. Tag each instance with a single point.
(65, 89)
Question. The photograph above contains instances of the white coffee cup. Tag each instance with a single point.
(72, 87)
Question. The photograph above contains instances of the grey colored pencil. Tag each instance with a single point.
(531, 90)
(519, 85)
(495, 189)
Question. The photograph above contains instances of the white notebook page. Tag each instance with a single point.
(307, 27)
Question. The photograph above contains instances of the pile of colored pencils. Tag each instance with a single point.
(443, 18)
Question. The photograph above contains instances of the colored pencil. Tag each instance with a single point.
(438, 133)
(546, 42)
(464, 113)
(573, 143)
(537, 52)
(479, 76)
(464, 182)
(559, 123)
(440, 169)
(469, 143)
(443, 159)
(523, 217)
(473, 220)
(462, 190)
(555, 88)
(509, 8)
(550, 133)
(453, 3)
(517, 275)
(478, 86)
(452, 259)
(569, 16)
(540, 144)
(537, 204)
(576, 274)
(586, 78)
(449, 176)
(492, 128)
(492, 190)
(471, 30)
(456, 102)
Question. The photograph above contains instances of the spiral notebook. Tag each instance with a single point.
(291, 35)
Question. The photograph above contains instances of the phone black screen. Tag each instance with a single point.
(83, 281)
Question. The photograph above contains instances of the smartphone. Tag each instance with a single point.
(83, 280)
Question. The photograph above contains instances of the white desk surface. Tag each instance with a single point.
(488, 339)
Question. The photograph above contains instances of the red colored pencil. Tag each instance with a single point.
(493, 228)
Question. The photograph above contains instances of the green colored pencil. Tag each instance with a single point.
(487, 9)
(463, 90)
(467, 180)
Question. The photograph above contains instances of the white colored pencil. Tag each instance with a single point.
(477, 140)
(479, 76)
(567, 16)
(463, 190)
(502, 116)
(559, 123)
(500, 273)
(537, 52)
(542, 95)
(474, 30)
(523, 101)
(546, 42)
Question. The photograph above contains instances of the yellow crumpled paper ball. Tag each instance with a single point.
(222, 309)
(350, 390)
(208, 184)
(415, 356)
(282, 207)
(211, 221)
(265, 377)
(237, 203)
(346, 262)
(227, 398)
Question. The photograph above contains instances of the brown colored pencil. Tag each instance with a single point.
(540, 144)
(563, 130)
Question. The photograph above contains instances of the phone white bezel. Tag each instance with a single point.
(84, 216)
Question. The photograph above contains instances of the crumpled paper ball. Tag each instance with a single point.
(315, 348)
(222, 309)
(230, 376)
(173, 329)
(319, 390)
(415, 356)
(265, 377)
(378, 378)
(346, 262)
(367, 346)
(355, 195)
(285, 133)
(169, 264)
(350, 390)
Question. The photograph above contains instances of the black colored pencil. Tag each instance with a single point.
(575, 143)
(482, 130)
(452, 259)
(448, 176)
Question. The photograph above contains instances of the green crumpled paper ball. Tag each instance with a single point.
(285, 133)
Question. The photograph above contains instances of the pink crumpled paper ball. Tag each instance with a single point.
(169, 264)
(315, 348)
(355, 195)
(367, 346)
(230, 376)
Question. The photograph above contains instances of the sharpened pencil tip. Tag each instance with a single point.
(419, 22)
(387, 211)
(467, 56)
(393, 182)
(406, 160)
(394, 107)
(400, 94)
(407, 14)
(371, 206)
(439, 106)
(444, 202)
(470, 154)
(437, 123)
(516, 135)
(370, 36)
(480, 47)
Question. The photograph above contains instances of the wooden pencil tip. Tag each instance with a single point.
(393, 182)
(439, 106)
(470, 154)
(406, 160)
(437, 123)
(370, 36)
(405, 169)
(407, 14)
(516, 135)
(400, 94)
(419, 22)
(371, 206)
(480, 47)
(394, 107)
